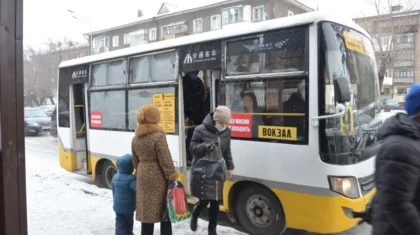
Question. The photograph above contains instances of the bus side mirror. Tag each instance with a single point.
(341, 90)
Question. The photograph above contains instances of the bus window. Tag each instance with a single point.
(278, 52)
(268, 110)
(153, 68)
(107, 109)
(109, 73)
(142, 96)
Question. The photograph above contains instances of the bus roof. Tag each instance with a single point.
(243, 29)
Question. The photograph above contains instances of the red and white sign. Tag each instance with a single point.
(241, 125)
(95, 119)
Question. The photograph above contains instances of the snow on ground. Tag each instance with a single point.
(60, 202)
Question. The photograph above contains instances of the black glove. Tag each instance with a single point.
(209, 147)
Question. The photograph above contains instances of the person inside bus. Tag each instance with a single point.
(193, 88)
(154, 170)
(250, 105)
(213, 130)
(296, 105)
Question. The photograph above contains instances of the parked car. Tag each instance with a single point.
(391, 104)
(53, 131)
(36, 121)
(48, 109)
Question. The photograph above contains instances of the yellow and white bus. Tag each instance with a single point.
(304, 94)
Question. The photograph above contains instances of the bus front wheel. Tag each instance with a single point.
(259, 211)
(108, 171)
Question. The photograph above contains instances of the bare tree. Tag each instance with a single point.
(387, 27)
(41, 69)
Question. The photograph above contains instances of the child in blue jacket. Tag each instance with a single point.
(124, 194)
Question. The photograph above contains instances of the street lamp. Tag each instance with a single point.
(87, 21)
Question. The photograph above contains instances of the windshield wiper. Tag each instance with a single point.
(356, 152)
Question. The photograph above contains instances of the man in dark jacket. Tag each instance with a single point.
(123, 191)
(397, 201)
(193, 88)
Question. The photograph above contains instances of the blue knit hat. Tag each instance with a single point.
(412, 100)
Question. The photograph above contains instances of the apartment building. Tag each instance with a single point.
(396, 39)
(172, 22)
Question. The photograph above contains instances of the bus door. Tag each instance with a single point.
(78, 93)
(199, 66)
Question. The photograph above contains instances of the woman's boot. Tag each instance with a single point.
(194, 217)
(213, 214)
(166, 228)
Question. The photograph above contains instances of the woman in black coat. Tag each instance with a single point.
(213, 130)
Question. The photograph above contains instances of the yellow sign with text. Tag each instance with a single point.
(277, 132)
(346, 123)
(355, 43)
(166, 105)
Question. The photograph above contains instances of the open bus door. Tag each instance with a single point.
(78, 126)
(71, 118)
(204, 58)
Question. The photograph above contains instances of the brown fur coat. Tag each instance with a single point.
(154, 169)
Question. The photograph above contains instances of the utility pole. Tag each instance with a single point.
(13, 220)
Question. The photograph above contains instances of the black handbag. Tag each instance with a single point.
(212, 167)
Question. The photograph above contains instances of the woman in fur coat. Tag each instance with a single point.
(154, 169)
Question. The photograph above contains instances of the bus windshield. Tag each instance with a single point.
(348, 54)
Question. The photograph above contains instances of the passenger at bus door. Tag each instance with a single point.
(214, 129)
(296, 105)
(193, 89)
(124, 195)
(154, 170)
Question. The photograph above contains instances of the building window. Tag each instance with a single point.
(107, 109)
(258, 13)
(115, 41)
(405, 56)
(127, 38)
(133, 36)
(405, 38)
(137, 35)
(290, 13)
(152, 34)
(198, 25)
(232, 15)
(216, 22)
(404, 73)
(100, 42)
(402, 91)
(174, 29)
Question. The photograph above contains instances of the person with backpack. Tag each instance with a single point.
(124, 195)
(213, 133)
(396, 206)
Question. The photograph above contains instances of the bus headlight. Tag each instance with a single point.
(346, 186)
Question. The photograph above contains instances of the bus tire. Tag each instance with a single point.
(108, 170)
(259, 211)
